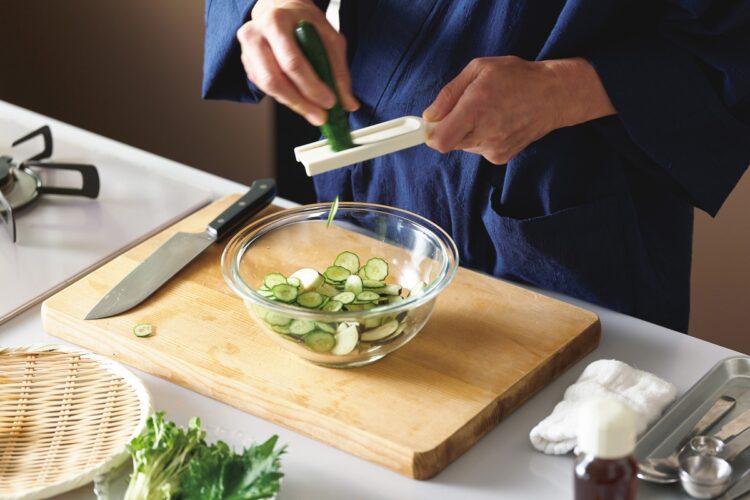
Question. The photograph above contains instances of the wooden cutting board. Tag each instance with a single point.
(488, 347)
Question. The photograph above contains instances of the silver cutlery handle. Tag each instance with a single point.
(734, 427)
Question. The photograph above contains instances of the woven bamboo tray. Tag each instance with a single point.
(66, 416)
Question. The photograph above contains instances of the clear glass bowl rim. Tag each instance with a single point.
(235, 250)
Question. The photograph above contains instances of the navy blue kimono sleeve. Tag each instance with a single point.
(682, 94)
(224, 76)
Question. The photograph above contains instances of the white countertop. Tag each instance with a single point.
(502, 465)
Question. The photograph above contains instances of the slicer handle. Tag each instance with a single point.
(260, 194)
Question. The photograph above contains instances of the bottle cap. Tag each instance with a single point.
(606, 428)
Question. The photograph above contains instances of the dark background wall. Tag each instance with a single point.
(131, 70)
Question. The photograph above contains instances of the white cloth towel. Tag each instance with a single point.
(645, 393)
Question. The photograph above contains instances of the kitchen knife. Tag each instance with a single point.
(179, 251)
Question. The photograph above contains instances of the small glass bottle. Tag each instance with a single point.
(605, 468)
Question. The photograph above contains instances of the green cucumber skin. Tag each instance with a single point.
(336, 129)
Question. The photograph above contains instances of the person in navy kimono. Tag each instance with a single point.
(574, 137)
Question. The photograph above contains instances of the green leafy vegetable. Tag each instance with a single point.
(332, 212)
(160, 455)
(217, 473)
(170, 462)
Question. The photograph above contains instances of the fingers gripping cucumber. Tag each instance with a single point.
(336, 129)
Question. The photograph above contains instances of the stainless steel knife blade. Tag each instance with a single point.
(179, 251)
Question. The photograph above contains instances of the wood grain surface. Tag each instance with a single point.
(488, 347)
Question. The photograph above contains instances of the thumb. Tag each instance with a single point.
(449, 95)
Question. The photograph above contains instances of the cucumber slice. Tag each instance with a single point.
(319, 341)
(332, 306)
(332, 211)
(372, 322)
(301, 326)
(284, 293)
(376, 269)
(336, 273)
(327, 289)
(325, 327)
(418, 289)
(280, 329)
(274, 318)
(395, 299)
(311, 300)
(347, 338)
(266, 293)
(381, 332)
(345, 297)
(336, 128)
(353, 284)
(274, 279)
(373, 283)
(143, 330)
(390, 290)
(361, 273)
(367, 297)
(310, 279)
(294, 281)
(359, 307)
(348, 261)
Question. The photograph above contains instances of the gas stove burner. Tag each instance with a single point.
(21, 184)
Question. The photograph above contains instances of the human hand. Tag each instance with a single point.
(274, 62)
(499, 105)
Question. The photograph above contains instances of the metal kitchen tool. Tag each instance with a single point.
(708, 473)
(22, 184)
(740, 488)
(664, 474)
(179, 251)
(728, 377)
(371, 142)
(660, 470)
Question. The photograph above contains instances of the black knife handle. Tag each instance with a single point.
(260, 194)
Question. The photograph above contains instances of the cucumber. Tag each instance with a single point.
(376, 269)
(353, 284)
(336, 274)
(319, 341)
(327, 289)
(367, 297)
(381, 332)
(390, 290)
(143, 330)
(348, 261)
(311, 300)
(325, 327)
(294, 281)
(274, 279)
(280, 329)
(372, 283)
(347, 338)
(336, 129)
(301, 326)
(284, 293)
(345, 297)
(274, 318)
(332, 306)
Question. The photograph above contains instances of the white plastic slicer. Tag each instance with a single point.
(370, 142)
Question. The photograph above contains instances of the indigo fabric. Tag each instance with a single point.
(602, 211)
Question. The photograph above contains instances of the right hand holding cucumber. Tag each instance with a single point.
(274, 62)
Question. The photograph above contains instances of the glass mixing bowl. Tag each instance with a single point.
(421, 257)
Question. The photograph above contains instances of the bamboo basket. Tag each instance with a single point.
(66, 416)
